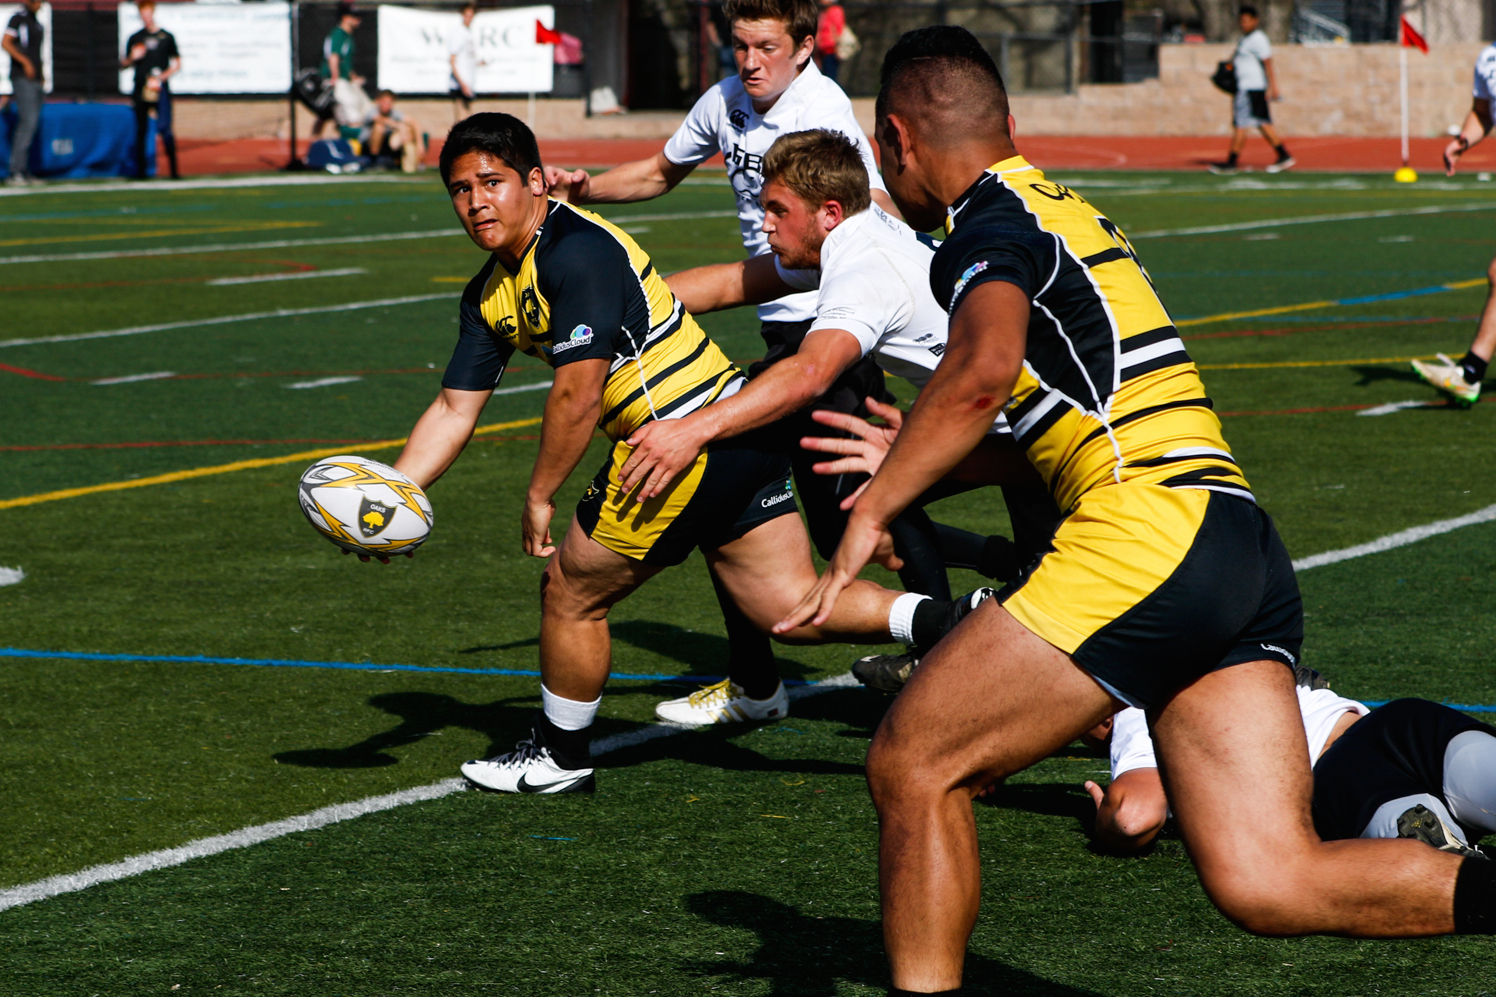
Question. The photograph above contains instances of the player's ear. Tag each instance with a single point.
(832, 215)
(537, 182)
(893, 135)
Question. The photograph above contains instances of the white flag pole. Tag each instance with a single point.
(1402, 58)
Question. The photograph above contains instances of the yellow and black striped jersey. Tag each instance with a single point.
(586, 291)
(1107, 392)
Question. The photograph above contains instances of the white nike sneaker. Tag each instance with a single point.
(529, 768)
(1448, 377)
(723, 703)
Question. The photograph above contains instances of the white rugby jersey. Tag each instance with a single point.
(1132, 748)
(874, 283)
(1485, 73)
(724, 121)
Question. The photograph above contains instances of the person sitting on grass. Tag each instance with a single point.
(392, 137)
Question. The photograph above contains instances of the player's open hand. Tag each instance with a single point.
(859, 542)
(1452, 153)
(535, 529)
(662, 449)
(567, 185)
(862, 455)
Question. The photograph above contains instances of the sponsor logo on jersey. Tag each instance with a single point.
(971, 272)
(580, 336)
(937, 348)
(374, 517)
(1283, 651)
(774, 500)
(738, 117)
(529, 302)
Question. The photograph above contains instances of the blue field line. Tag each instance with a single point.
(367, 666)
(1462, 707)
(1396, 295)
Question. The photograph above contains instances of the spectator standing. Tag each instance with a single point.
(1460, 379)
(23, 43)
(392, 135)
(153, 52)
(829, 30)
(462, 55)
(351, 105)
(1256, 84)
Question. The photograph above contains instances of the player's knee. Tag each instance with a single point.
(1491, 272)
(1265, 901)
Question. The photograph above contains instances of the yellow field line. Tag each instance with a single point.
(1458, 285)
(238, 465)
(1309, 363)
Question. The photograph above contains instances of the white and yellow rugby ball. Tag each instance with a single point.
(364, 506)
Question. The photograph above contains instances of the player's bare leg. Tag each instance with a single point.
(581, 583)
(1485, 336)
(1235, 764)
(991, 699)
(769, 568)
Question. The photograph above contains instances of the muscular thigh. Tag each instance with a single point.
(586, 578)
(991, 699)
(767, 569)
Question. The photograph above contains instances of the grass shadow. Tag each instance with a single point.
(808, 956)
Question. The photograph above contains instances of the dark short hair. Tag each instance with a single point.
(800, 17)
(470, 5)
(495, 133)
(1247, 8)
(947, 50)
(819, 166)
(385, 93)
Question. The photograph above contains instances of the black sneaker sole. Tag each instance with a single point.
(1422, 824)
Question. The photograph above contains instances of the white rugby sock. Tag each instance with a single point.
(901, 616)
(568, 714)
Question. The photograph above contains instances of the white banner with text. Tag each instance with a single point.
(416, 46)
(224, 47)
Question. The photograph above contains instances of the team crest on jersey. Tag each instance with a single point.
(529, 302)
(507, 326)
(373, 517)
(971, 272)
(738, 117)
(580, 336)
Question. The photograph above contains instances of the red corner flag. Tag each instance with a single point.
(545, 36)
(1411, 38)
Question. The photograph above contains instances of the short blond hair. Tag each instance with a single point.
(820, 165)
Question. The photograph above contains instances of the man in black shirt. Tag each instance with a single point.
(23, 43)
(153, 52)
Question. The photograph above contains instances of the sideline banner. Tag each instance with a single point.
(225, 47)
(414, 57)
(44, 17)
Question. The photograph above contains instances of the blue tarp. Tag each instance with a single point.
(82, 140)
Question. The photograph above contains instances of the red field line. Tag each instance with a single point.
(24, 372)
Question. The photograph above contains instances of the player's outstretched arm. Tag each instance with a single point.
(974, 380)
(728, 285)
(571, 412)
(1477, 126)
(440, 435)
(666, 447)
(640, 180)
(1130, 812)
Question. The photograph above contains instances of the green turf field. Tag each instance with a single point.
(737, 861)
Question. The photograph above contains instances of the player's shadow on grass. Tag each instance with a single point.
(422, 714)
(803, 954)
(1369, 375)
(698, 652)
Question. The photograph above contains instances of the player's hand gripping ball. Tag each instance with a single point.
(365, 507)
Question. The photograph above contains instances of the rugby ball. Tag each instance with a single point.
(364, 506)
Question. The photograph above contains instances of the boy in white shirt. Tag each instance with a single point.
(462, 56)
(1256, 84)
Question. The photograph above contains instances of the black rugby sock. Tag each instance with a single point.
(999, 559)
(932, 621)
(572, 749)
(1475, 898)
(1231, 159)
(750, 656)
(1282, 151)
(1474, 368)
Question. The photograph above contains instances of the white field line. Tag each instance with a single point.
(323, 382)
(72, 882)
(132, 378)
(332, 240)
(1394, 540)
(1345, 216)
(1391, 407)
(11, 576)
(537, 386)
(299, 275)
(224, 319)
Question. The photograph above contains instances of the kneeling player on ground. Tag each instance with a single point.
(569, 289)
(1410, 769)
(871, 274)
(1167, 588)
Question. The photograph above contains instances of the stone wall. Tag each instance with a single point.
(1349, 90)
